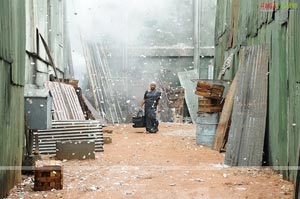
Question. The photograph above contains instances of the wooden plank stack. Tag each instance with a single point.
(210, 97)
(208, 90)
(48, 175)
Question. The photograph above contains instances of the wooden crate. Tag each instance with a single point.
(48, 175)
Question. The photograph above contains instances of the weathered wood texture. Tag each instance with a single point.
(247, 132)
(225, 116)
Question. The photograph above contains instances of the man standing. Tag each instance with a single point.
(151, 101)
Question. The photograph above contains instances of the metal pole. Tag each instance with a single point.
(196, 36)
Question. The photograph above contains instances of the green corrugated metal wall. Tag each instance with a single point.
(12, 64)
(243, 23)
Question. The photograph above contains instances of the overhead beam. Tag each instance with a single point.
(163, 51)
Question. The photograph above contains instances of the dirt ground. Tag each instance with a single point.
(165, 165)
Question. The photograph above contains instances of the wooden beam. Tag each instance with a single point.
(50, 57)
(225, 117)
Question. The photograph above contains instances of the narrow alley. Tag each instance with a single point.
(149, 99)
(167, 165)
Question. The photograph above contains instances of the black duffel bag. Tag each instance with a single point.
(139, 120)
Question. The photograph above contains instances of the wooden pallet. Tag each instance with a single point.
(48, 175)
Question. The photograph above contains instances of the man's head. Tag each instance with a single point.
(152, 85)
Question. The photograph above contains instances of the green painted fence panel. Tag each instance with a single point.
(297, 73)
(243, 21)
(282, 15)
(12, 36)
(11, 129)
(263, 16)
(253, 11)
(12, 65)
(283, 37)
(234, 21)
(290, 61)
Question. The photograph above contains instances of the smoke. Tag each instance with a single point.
(123, 20)
(123, 24)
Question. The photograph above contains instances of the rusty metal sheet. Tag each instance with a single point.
(65, 109)
(247, 131)
(80, 150)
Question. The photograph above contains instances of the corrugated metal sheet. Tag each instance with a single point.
(281, 31)
(12, 38)
(12, 58)
(189, 86)
(294, 119)
(71, 130)
(247, 131)
(65, 104)
(278, 88)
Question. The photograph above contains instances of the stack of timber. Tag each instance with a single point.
(208, 90)
(176, 99)
(210, 97)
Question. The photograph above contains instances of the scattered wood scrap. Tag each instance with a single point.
(107, 131)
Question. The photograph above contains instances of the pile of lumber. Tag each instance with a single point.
(210, 97)
(209, 90)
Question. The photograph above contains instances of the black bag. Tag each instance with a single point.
(139, 120)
